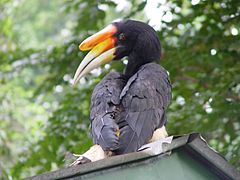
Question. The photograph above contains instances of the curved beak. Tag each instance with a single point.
(102, 46)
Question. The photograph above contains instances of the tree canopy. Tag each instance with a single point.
(42, 116)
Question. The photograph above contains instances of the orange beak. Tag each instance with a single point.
(102, 46)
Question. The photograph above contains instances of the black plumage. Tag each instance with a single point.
(133, 102)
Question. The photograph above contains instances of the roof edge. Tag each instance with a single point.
(193, 143)
(199, 148)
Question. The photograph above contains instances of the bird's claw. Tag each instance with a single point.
(80, 160)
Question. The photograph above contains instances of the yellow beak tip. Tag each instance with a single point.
(82, 47)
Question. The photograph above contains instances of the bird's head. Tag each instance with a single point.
(134, 39)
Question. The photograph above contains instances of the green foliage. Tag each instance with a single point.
(42, 117)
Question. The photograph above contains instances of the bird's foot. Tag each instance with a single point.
(80, 160)
(156, 147)
(155, 144)
(95, 153)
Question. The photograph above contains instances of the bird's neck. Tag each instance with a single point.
(132, 66)
(134, 63)
(131, 70)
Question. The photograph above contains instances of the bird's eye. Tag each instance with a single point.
(121, 37)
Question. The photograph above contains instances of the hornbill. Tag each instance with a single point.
(127, 109)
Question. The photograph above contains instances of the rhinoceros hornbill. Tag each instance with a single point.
(127, 109)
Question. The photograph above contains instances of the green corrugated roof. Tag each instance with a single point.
(187, 157)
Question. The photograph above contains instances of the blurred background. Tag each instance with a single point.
(42, 116)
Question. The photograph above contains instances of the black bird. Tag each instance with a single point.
(126, 108)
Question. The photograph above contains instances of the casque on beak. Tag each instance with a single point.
(102, 46)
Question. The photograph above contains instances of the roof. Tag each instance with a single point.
(186, 157)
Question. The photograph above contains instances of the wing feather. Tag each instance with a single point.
(104, 108)
(144, 99)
